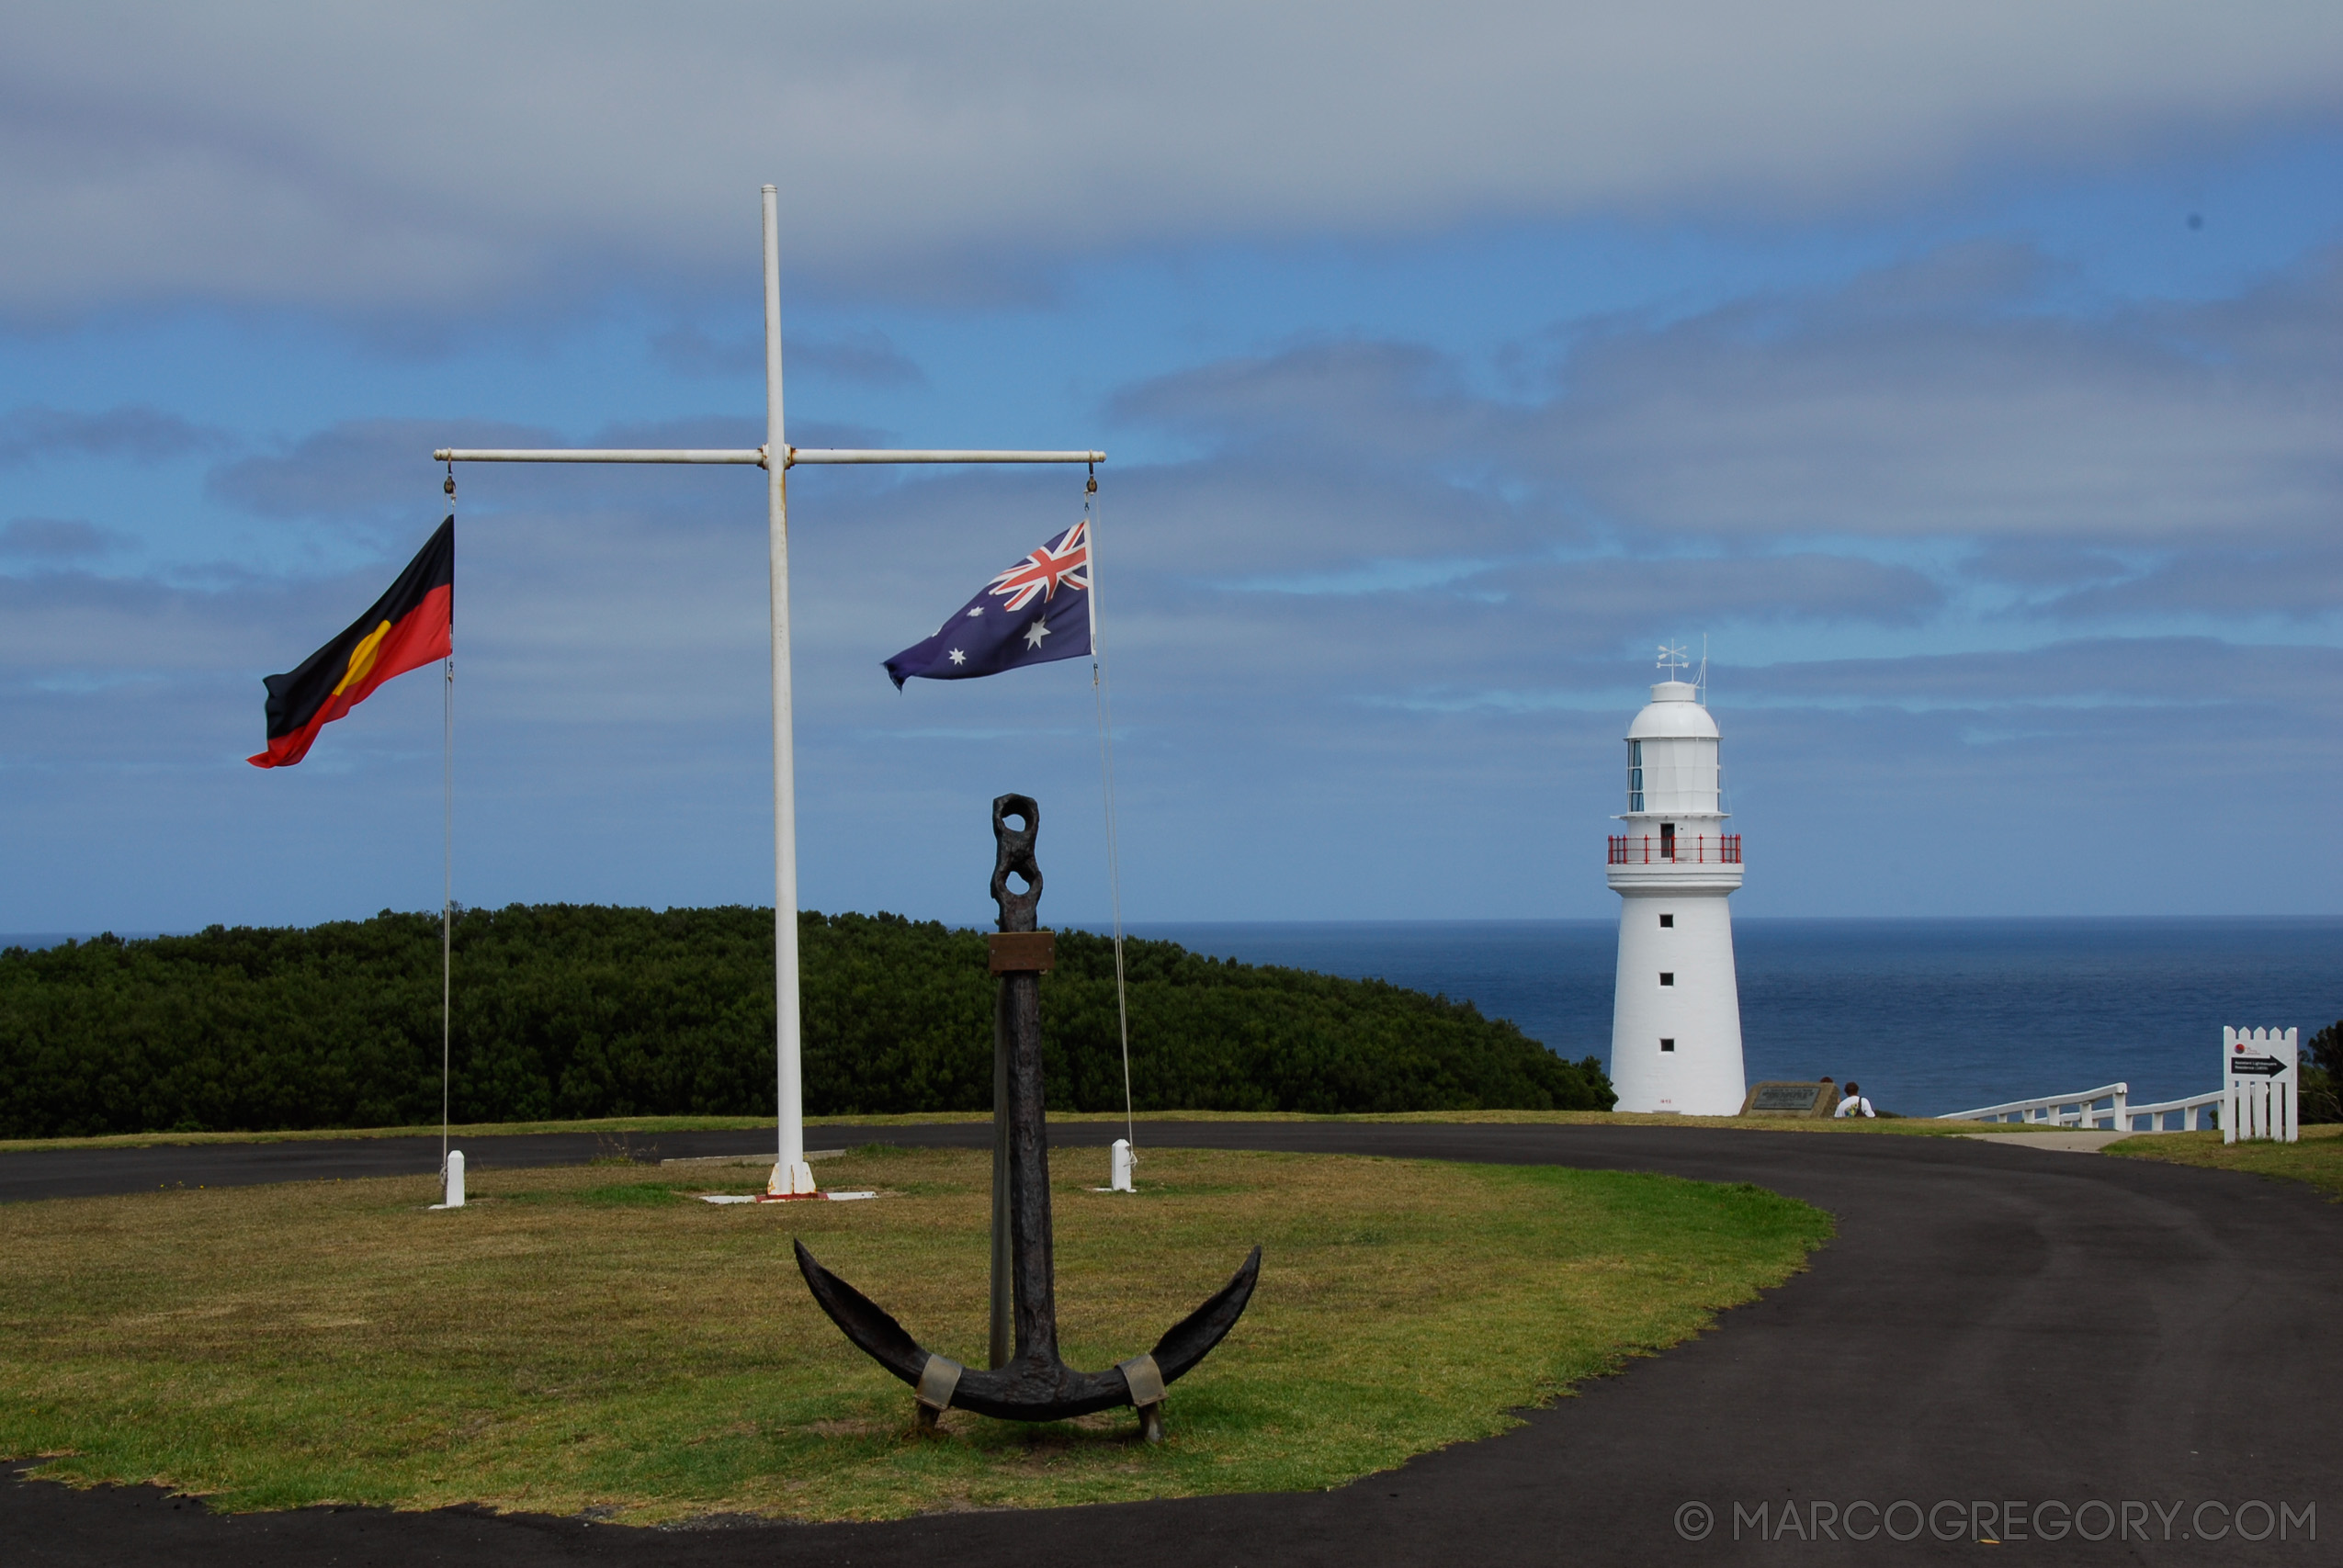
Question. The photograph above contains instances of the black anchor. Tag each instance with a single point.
(1029, 1383)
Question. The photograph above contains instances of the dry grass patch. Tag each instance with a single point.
(592, 1339)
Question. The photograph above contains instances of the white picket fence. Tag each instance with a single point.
(2260, 1081)
(2253, 1101)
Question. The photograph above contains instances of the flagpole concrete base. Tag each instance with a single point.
(792, 1178)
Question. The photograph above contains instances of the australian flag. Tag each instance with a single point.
(1036, 610)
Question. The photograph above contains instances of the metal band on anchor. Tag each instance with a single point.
(938, 1378)
(1146, 1380)
(1022, 953)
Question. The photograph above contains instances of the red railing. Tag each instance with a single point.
(1681, 849)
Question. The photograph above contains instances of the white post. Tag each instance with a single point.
(1119, 1178)
(791, 1173)
(2259, 1080)
(451, 1196)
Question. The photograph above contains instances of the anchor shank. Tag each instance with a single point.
(1026, 1381)
(1033, 1262)
(1003, 1293)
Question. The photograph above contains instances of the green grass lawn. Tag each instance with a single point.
(2317, 1159)
(618, 1126)
(592, 1339)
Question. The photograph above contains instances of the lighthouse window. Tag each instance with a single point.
(1668, 922)
(1668, 1044)
(1666, 976)
(1668, 840)
(1634, 775)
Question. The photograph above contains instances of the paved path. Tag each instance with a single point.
(1992, 1327)
(2073, 1142)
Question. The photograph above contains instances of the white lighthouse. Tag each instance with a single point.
(1676, 1011)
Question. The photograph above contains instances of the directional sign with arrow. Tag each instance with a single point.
(2257, 1066)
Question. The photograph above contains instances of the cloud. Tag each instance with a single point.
(352, 159)
(57, 540)
(1925, 427)
(1864, 414)
(2241, 582)
(867, 357)
(32, 434)
(2111, 673)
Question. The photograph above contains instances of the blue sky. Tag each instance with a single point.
(1968, 377)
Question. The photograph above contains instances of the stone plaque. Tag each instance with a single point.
(1791, 1100)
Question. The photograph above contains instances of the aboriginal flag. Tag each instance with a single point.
(407, 628)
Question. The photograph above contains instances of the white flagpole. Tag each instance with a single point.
(446, 888)
(447, 856)
(1092, 511)
(792, 1175)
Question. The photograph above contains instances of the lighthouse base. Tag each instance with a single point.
(1676, 1011)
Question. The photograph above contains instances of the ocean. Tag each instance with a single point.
(1927, 1015)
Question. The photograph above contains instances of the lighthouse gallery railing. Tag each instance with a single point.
(1682, 849)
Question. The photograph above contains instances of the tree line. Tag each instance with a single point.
(568, 1011)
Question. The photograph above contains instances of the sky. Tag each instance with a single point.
(1965, 379)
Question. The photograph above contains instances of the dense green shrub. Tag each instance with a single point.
(2320, 1098)
(566, 1010)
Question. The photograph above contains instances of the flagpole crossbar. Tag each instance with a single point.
(749, 455)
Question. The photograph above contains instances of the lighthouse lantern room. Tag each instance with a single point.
(1676, 1010)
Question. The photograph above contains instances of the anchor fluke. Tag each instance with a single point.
(1032, 1387)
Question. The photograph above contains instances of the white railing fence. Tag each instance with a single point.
(2081, 1108)
(2207, 1105)
(2255, 1099)
(2084, 1110)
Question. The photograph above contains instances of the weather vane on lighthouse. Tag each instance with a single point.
(1672, 658)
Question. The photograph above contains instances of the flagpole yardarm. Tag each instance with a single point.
(792, 1175)
(750, 457)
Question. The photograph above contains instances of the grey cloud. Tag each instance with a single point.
(612, 718)
(865, 357)
(2042, 564)
(73, 625)
(32, 434)
(2300, 584)
(374, 471)
(340, 157)
(690, 352)
(57, 540)
(2119, 672)
(2158, 458)
(1398, 404)
(1838, 417)
(1629, 593)
(868, 358)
